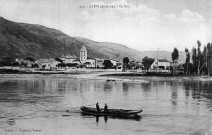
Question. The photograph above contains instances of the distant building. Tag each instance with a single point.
(68, 59)
(90, 62)
(114, 62)
(99, 63)
(83, 54)
(135, 65)
(119, 67)
(48, 64)
(22, 62)
(77, 61)
(139, 65)
(161, 64)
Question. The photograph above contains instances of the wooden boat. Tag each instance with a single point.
(131, 117)
(110, 112)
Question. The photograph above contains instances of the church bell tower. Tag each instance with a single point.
(83, 54)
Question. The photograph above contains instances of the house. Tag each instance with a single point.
(76, 61)
(53, 63)
(161, 64)
(90, 62)
(24, 62)
(48, 64)
(139, 65)
(68, 59)
(42, 62)
(113, 62)
(99, 63)
(119, 67)
(132, 64)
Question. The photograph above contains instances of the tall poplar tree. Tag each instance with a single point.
(194, 58)
(199, 56)
(209, 58)
(175, 55)
(187, 60)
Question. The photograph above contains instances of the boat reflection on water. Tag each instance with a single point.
(136, 117)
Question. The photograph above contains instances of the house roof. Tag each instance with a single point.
(163, 60)
(118, 64)
(91, 58)
(76, 60)
(71, 58)
(98, 59)
(68, 57)
(87, 63)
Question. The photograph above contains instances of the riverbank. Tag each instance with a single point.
(97, 75)
(108, 76)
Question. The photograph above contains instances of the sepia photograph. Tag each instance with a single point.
(105, 67)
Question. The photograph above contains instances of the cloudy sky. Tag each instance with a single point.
(145, 25)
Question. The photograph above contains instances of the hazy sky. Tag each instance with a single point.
(145, 25)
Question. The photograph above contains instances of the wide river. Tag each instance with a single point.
(46, 105)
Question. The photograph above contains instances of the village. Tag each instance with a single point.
(70, 63)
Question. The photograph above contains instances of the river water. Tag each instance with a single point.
(47, 105)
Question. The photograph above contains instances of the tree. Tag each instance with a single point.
(209, 57)
(15, 64)
(175, 55)
(199, 56)
(7, 61)
(107, 64)
(71, 64)
(187, 60)
(59, 60)
(35, 65)
(203, 62)
(125, 61)
(61, 65)
(23, 64)
(147, 62)
(194, 59)
(30, 59)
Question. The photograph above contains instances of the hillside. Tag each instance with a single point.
(19, 40)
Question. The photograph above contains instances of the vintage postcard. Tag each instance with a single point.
(105, 67)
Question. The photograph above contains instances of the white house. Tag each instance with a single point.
(90, 62)
(99, 63)
(76, 61)
(161, 64)
(114, 62)
(48, 64)
(68, 59)
(119, 67)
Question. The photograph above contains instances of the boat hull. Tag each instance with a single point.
(109, 112)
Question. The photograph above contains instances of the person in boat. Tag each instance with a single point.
(97, 107)
(105, 108)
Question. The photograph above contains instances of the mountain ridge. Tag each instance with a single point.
(19, 40)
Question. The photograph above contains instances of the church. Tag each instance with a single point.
(83, 55)
(85, 60)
